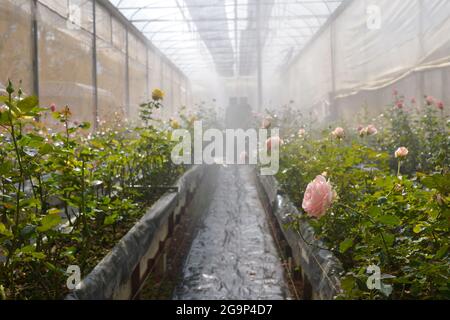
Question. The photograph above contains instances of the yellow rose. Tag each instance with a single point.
(174, 124)
(158, 95)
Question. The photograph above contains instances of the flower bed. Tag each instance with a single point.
(377, 197)
(121, 274)
(66, 195)
(319, 268)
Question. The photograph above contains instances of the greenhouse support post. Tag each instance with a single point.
(127, 73)
(35, 47)
(161, 73)
(445, 84)
(172, 96)
(421, 75)
(236, 41)
(147, 73)
(333, 68)
(259, 55)
(94, 63)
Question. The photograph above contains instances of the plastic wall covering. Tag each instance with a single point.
(349, 64)
(66, 59)
(65, 62)
(167, 78)
(111, 66)
(137, 75)
(15, 43)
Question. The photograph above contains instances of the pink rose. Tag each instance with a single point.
(53, 107)
(267, 123)
(372, 130)
(363, 132)
(339, 133)
(400, 104)
(429, 100)
(301, 132)
(401, 153)
(440, 105)
(318, 197)
(274, 143)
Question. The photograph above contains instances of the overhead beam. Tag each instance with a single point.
(240, 30)
(203, 6)
(283, 18)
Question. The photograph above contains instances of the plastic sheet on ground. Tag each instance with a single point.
(234, 255)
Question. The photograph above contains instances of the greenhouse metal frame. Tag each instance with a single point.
(222, 150)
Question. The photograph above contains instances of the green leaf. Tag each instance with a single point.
(28, 104)
(28, 231)
(4, 231)
(389, 220)
(53, 211)
(38, 255)
(51, 267)
(28, 249)
(48, 222)
(389, 238)
(35, 141)
(46, 148)
(375, 211)
(4, 118)
(3, 99)
(110, 220)
(6, 168)
(70, 252)
(382, 200)
(85, 126)
(348, 283)
(439, 182)
(442, 252)
(31, 252)
(56, 115)
(345, 245)
(418, 228)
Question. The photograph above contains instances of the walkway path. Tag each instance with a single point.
(233, 256)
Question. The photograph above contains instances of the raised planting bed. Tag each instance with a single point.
(123, 271)
(319, 268)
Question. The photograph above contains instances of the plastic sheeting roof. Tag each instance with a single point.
(222, 35)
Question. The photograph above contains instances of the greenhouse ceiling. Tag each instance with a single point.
(225, 35)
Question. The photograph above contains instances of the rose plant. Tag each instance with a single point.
(67, 196)
(372, 204)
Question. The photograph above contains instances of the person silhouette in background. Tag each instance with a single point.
(231, 113)
(246, 114)
(239, 114)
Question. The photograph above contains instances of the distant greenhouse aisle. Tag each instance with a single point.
(233, 256)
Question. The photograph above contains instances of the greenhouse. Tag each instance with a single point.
(224, 150)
